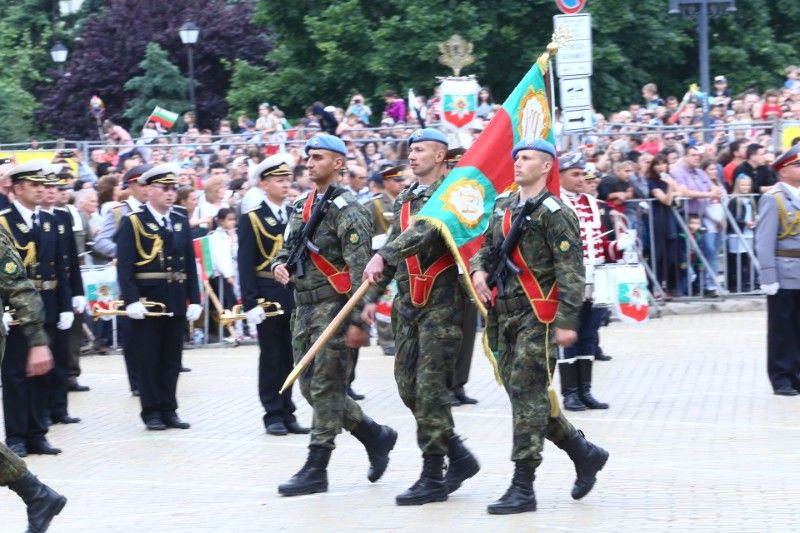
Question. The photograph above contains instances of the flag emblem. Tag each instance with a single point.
(533, 116)
(465, 200)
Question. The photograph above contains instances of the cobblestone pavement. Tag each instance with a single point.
(697, 442)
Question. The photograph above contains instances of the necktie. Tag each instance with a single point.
(34, 220)
(281, 216)
(165, 223)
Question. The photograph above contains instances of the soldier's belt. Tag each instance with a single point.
(169, 276)
(509, 305)
(49, 285)
(317, 295)
(264, 274)
(788, 253)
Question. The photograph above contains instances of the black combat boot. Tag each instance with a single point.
(569, 387)
(43, 502)
(519, 498)
(429, 487)
(313, 477)
(589, 459)
(584, 368)
(378, 441)
(462, 464)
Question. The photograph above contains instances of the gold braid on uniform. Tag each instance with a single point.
(28, 252)
(260, 230)
(789, 228)
(138, 233)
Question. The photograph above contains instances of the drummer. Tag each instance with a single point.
(575, 363)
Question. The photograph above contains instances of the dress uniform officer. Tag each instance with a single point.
(547, 291)
(427, 316)
(156, 263)
(35, 236)
(57, 400)
(17, 291)
(778, 250)
(343, 243)
(105, 244)
(260, 237)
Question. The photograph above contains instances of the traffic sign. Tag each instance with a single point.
(578, 26)
(574, 120)
(575, 57)
(570, 7)
(575, 93)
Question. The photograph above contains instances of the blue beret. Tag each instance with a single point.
(428, 134)
(540, 145)
(323, 141)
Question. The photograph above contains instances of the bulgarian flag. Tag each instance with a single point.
(202, 254)
(462, 205)
(163, 117)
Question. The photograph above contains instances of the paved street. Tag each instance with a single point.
(697, 442)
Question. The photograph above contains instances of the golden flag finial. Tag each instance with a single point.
(561, 37)
(456, 53)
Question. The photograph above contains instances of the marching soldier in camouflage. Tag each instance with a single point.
(343, 241)
(19, 294)
(550, 259)
(426, 315)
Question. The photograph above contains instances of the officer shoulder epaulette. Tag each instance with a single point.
(62, 209)
(551, 204)
(5, 211)
(178, 214)
(256, 207)
(772, 190)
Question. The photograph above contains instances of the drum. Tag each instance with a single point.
(623, 288)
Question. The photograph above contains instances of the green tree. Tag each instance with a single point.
(16, 108)
(161, 84)
(247, 88)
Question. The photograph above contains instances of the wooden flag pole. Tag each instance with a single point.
(218, 306)
(326, 334)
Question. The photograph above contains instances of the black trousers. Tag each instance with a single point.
(24, 398)
(59, 376)
(75, 338)
(275, 362)
(158, 347)
(131, 366)
(783, 338)
(464, 357)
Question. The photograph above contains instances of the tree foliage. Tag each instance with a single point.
(247, 88)
(160, 84)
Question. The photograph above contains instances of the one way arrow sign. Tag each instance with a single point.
(574, 120)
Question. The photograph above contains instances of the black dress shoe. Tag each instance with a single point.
(278, 429)
(294, 427)
(453, 399)
(42, 447)
(786, 391)
(19, 449)
(65, 419)
(463, 398)
(176, 423)
(77, 387)
(602, 357)
(354, 395)
(185, 369)
(155, 424)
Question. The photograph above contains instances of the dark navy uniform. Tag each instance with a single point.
(157, 264)
(40, 246)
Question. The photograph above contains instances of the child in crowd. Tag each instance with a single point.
(741, 277)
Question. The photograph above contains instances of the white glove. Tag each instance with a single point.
(65, 320)
(7, 320)
(79, 304)
(256, 315)
(770, 288)
(625, 241)
(193, 312)
(135, 311)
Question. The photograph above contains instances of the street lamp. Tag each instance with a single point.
(701, 10)
(59, 55)
(189, 33)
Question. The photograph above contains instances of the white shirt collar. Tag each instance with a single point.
(275, 207)
(795, 191)
(156, 215)
(134, 203)
(27, 214)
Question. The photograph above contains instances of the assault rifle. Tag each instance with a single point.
(294, 262)
(502, 252)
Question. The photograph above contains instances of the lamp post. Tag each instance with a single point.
(59, 55)
(189, 33)
(701, 11)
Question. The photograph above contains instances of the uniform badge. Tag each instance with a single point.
(564, 246)
(178, 226)
(23, 227)
(61, 229)
(354, 238)
(46, 226)
(271, 221)
(11, 267)
(152, 226)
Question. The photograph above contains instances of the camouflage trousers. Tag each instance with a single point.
(427, 342)
(324, 383)
(523, 368)
(12, 467)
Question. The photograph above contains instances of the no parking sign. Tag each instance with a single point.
(570, 7)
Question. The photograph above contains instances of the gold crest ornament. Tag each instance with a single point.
(465, 199)
(11, 267)
(46, 227)
(152, 226)
(354, 238)
(61, 229)
(564, 246)
(533, 117)
(23, 227)
(456, 53)
(271, 221)
(178, 226)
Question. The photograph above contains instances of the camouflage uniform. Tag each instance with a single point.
(551, 247)
(19, 293)
(343, 237)
(427, 338)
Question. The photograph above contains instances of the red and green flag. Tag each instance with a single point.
(162, 116)
(205, 262)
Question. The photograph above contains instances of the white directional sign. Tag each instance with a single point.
(575, 58)
(575, 92)
(576, 120)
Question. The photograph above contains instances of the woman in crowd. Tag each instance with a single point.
(741, 277)
(187, 198)
(485, 103)
(713, 221)
(214, 199)
(665, 228)
(108, 191)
